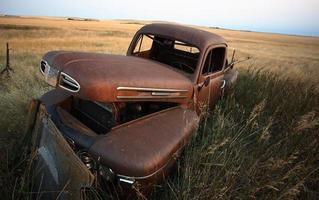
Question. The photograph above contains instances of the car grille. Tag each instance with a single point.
(50, 74)
(68, 83)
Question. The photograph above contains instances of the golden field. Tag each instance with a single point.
(31, 37)
(289, 54)
(276, 103)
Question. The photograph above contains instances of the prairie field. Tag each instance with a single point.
(260, 142)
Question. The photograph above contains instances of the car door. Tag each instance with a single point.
(211, 78)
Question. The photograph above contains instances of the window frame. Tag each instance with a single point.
(136, 40)
(205, 57)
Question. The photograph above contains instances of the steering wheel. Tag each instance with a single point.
(182, 66)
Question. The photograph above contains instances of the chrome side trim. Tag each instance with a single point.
(151, 97)
(165, 93)
(120, 88)
(126, 180)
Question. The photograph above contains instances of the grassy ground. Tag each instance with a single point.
(260, 142)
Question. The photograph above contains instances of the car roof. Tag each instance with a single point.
(197, 37)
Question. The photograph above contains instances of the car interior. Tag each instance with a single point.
(176, 54)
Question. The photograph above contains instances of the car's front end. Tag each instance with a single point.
(102, 133)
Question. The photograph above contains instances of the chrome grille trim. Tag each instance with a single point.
(68, 81)
(50, 73)
(42, 66)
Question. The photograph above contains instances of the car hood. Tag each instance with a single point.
(103, 77)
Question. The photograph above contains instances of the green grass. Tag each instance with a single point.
(261, 142)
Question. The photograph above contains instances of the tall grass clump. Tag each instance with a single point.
(261, 142)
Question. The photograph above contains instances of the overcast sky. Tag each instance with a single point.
(280, 16)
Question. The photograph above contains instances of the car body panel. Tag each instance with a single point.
(199, 38)
(59, 173)
(105, 75)
(207, 97)
(123, 150)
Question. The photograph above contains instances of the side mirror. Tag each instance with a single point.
(205, 83)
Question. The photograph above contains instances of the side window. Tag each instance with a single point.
(214, 61)
(143, 44)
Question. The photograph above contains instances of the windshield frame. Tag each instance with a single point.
(176, 41)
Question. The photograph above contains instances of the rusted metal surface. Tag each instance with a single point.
(108, 72)
(146, 111)
(141, 148)
(59, 173)
(199, 38)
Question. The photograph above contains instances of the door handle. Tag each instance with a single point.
(223, 84)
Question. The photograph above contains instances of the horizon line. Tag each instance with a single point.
(157, 20)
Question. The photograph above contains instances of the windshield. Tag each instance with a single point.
(176, 54)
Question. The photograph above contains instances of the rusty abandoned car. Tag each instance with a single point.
(123, 120)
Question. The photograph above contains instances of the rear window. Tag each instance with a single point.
(174, 53)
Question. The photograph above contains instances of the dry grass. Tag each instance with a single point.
(262, 142)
